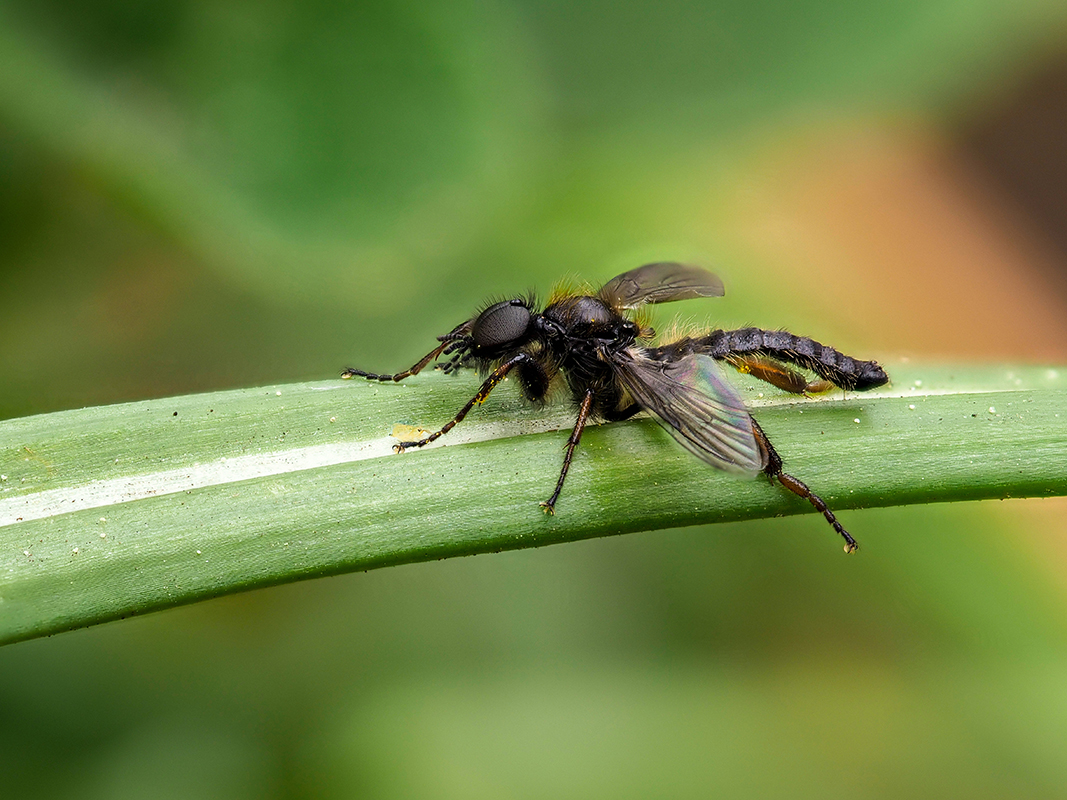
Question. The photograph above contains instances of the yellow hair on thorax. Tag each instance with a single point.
(642, 318)
(574, 287)
(570, 287)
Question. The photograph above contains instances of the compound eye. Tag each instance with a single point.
(501, 324)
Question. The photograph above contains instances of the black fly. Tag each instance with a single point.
(601, 349)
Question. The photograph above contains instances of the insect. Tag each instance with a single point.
(599, 346)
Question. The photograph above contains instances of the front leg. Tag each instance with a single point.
(495, 377)
(549, 505)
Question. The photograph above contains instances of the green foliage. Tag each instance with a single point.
(198, 196)
(120, 510)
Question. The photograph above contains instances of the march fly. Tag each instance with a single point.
(601, 348)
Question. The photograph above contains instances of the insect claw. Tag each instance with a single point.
(548, 508)
(851, 547)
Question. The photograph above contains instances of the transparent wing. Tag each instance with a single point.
(691, 399)
(660, 283)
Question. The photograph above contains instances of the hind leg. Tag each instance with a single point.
(798, 487)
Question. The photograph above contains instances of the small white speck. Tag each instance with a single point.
(103, 519)
(277, 394)
(75, 551)
(992, 410)
(857, 420)
(911, 406)
(103, 535)
(25, 552)
(333, 419)
(3, 477)
(198, 552)
(918, 383)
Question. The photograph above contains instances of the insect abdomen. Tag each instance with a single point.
(824, 361)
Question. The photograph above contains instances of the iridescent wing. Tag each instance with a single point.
(660, 283)
(691, 399)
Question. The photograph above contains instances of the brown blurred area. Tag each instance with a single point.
(942, 242)
(937, 242)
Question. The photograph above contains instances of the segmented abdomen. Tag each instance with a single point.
(824, 361)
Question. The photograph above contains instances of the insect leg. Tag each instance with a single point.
(351, 372)
(777, 374)
(495, 377)
(549, 505)
(798, 487)
(455, 341)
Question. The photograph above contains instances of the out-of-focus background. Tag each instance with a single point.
(202, 195)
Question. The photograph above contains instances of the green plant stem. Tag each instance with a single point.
(120, 510)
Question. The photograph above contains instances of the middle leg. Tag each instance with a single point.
(549, 505)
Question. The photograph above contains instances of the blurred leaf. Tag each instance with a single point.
(113, 511)
(672, 728)
(296, 148)
(721, 66)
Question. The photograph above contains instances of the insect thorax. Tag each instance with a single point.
(583, 333)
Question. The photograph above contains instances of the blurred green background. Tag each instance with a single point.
(196, 196)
